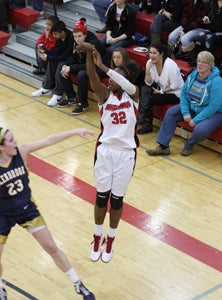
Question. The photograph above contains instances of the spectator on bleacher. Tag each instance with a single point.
(167, 19)
(76, 64)
(120, 26)
(192, 24)
(163, 84)
(101, 8)
(120, 56)
(44, 43)
(200, 106)
(61, 52)
(210, 37)
(6, 5)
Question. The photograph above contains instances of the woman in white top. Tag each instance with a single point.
(163, 83)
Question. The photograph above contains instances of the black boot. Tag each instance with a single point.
(4, 28)
(145, 129)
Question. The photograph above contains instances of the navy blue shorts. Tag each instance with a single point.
(26, 216)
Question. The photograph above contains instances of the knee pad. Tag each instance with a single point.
(116, 202)
(102, 199)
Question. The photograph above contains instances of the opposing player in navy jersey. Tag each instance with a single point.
(115, 155)
(18, 207)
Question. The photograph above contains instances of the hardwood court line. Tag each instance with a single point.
(20, 291)
(208, 292)
(135, 217)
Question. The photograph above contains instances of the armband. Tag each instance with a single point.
(125, 84)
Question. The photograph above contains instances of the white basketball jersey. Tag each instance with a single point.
(118, 122)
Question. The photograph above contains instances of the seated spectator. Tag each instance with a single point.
(163, 84)
(167, 19)
(6, 5)
(101, 7)
(210, 37)
(76, 64)
(120, 56)
(120, 26)
(200, 106)
(192, 24)
(61, 52)
(45, 43)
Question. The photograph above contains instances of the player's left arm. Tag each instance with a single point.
(29, 147)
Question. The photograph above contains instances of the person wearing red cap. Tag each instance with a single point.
(76, 64)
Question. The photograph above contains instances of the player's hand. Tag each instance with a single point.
(84, 132)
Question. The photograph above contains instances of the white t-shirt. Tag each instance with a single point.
(170, 76)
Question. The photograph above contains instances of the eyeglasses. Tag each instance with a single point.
(202, 62)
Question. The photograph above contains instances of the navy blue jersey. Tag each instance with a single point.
(14, 184)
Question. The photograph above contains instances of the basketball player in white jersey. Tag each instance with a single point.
(115, 154)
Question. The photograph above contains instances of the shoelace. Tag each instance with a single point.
(109, 244)
(96, 242)
(81, 289)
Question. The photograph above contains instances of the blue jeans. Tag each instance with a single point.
(162, 23)
(209, 40)
(101, 7)
(186, 39)
(38, 5)
(124, 43)
(200, 131)
(66, 85)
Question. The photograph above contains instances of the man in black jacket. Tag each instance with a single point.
(76, 64)
(60, 53)
(5, 5)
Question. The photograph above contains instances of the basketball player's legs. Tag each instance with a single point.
(2, 289)
(1, 251)
(123, 166)
(5, 228)
(113, 171)
(35, 224)
(44, 237)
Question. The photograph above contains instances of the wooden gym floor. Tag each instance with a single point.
(169, 242)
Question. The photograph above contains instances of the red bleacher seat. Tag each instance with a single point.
(4, 37)
(143, 21)
(23, 17)
(140, 57)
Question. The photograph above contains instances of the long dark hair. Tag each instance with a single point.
(161, 48)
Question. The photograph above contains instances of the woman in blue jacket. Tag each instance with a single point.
(200, 106)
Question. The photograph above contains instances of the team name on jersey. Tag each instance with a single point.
(114, 107)
(9, 175)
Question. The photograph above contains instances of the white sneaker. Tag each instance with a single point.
(107, 253)
(96, 247)
(54, 100)
(42, 92)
